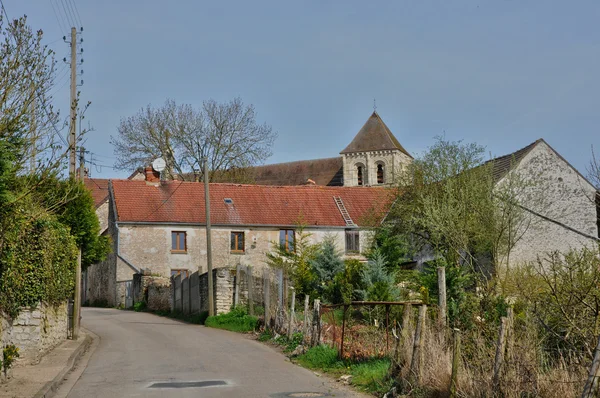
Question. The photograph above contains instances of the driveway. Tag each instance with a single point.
(144, 355)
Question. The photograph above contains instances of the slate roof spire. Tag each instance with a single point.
(374, 136)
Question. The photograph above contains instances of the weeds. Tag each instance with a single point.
(371, 375)
(236, 321)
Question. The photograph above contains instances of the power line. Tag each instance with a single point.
(70, 22)
(77, 12)
(72, 11)
(60, 23)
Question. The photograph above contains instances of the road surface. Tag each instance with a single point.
(144, 355)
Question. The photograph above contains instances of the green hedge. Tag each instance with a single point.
(37, 262)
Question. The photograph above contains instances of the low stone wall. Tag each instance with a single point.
(159, 295)
(35, 331)
(155, 291)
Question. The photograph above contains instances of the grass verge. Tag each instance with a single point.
(236, 321)
(370, 375)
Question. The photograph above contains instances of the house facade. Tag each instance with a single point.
(559, 207)
(160, 227)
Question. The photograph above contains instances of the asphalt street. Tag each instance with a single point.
(144, 355)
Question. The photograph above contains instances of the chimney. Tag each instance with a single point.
(152, 176)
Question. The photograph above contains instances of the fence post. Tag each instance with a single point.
(250, 283)
(416, 365)
(236, 289)
(500, 348)
(316, 332)
(292, 309)
(305, 325)
(455, 364)
(442, 311)
(591, 383)
(267, 294)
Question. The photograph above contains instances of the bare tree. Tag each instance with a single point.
(27, 119)
(593, 170)
(227, 134)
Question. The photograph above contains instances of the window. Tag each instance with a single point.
(359, 173)
(380, 179)
(183, 272)
(178, 242)
(352, 243)
(286, 239)
(237, 242)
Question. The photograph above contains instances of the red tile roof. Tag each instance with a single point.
(183, 202)
(99, 189)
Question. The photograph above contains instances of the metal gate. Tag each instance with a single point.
(128, 294)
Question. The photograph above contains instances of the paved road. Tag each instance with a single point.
(137, 350)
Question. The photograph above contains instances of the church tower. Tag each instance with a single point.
(374, 157)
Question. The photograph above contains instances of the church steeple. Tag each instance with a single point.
(374, 136)
(375, 156)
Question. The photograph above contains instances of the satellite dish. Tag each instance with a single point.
(159, 164)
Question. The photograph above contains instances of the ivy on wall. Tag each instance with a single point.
(37, 262)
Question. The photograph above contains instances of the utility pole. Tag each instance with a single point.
(81, 163)
(72, 130)
(211, 305)
(77, 299)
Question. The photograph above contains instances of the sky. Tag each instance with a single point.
(499, 73)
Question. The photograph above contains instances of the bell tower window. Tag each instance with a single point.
(380, 174)
(359, 174)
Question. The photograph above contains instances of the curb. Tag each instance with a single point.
(50, 388)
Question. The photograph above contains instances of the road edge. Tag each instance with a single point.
(51, 387)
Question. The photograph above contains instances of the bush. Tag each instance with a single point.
(139, 306)
(289, 345)
(237, 321)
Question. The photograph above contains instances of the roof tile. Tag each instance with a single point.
(183, 202)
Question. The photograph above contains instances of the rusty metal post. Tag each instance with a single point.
(343, 332)
(387, 328)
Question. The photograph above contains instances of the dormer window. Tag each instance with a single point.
(380, 174)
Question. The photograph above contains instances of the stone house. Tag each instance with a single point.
(561, 208)
(160, 227)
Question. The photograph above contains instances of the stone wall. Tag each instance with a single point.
(552, 188)
(153, 290)
(35, 331)
(190, 295)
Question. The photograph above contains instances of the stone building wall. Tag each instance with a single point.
(35, 331)
(554, 189)
(149, 246)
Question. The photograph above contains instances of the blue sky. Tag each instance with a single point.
(501, 73)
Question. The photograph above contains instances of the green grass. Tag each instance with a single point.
(371, 375)
(237, 321)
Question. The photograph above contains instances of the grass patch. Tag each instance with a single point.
(237, 321)
(321, 357)
(370, 375)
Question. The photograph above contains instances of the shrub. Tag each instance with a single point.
(9, 354)
(139, 306)
(237, 321)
